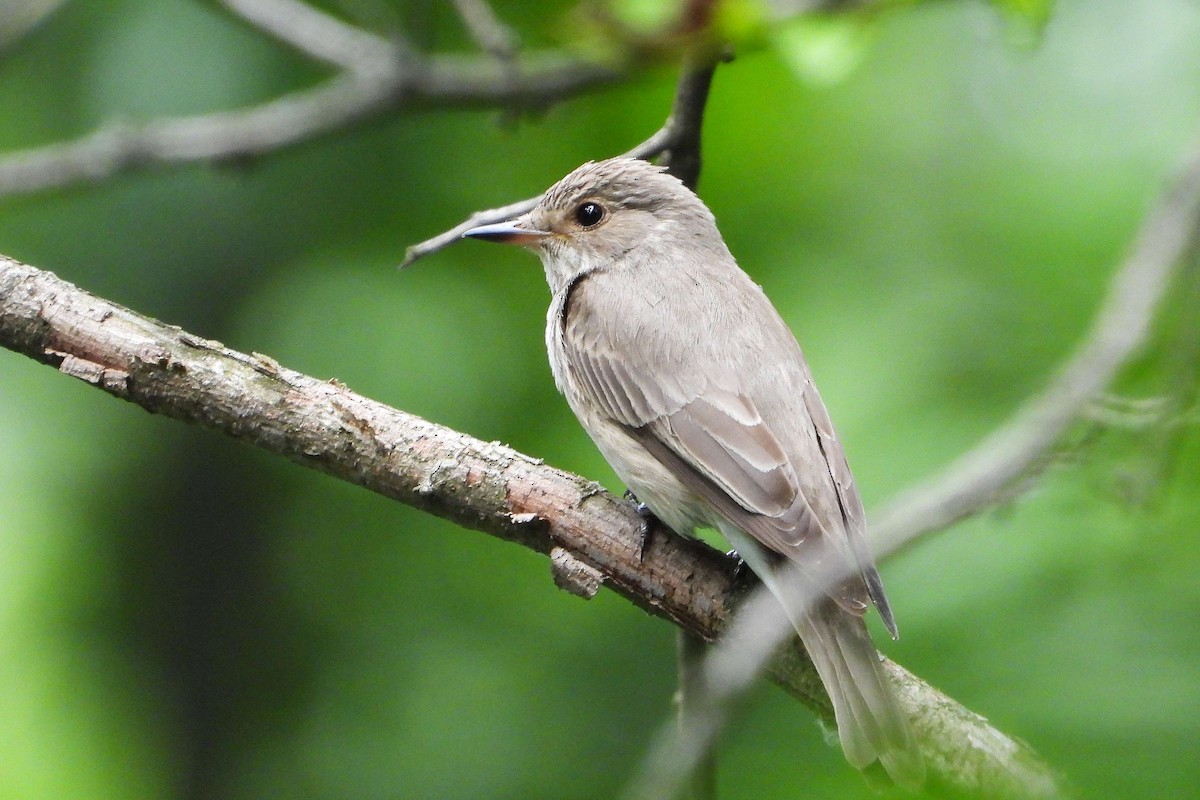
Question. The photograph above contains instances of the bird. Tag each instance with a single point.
(695, 390)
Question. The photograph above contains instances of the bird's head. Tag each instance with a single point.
(602, 212)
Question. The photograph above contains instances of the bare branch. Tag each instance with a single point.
(379, 76)
(448, 237)
(17, 19)
(432, 81)
(681, 152)
(492, 35)
(483, 486)
(318, 35)
(693, 684)
(976, 479)
(650, 148)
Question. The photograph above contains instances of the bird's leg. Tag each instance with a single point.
(742, 573)
(648, 521)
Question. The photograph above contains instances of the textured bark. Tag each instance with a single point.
(593, 538)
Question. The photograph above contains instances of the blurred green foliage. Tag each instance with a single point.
(182, 616)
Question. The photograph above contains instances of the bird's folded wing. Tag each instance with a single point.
(851, 506)
(712, 438)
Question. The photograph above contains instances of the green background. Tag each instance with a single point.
(183, 616)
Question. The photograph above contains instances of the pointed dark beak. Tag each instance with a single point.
(512, 232)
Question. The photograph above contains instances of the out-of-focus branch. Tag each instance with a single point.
(490, 34)
(982, 476)
(964, 755)
(592, 537)
(972, 483)
(650, 148)
(318, 35)
(20, 18)
(378, 77)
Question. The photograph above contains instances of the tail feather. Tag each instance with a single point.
(870, 724)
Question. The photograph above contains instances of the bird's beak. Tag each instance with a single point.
(516, 231)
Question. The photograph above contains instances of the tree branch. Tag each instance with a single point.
(402, 79)
(376, 76)
(681, 148)
(490, 34)
(318, 35)
(678, 139)
(963, 753)
(982, 476)
(592, 537)
(18, 19)
(974, 482)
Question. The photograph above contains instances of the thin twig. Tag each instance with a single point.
(680, 134)
(492, 35)
(690, 652)
(483, 486)
(18, 19)
(685, 124)
(725, 672)
(319, 35)
(650, 148)
(430, 81)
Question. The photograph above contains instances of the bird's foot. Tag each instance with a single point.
(742, 574)
(648, 522)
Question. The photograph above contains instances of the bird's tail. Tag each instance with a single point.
(870, 724)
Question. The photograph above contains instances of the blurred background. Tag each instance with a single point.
(935, 201)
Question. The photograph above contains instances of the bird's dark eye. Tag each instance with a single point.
(589, 214)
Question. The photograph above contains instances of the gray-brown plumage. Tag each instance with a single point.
(696, 392)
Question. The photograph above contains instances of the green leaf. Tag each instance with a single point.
(1035, 12)
(1026, 19)
(647, 17)
(823, 49)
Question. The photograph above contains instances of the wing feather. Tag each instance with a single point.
(736, 451)
(689, 412)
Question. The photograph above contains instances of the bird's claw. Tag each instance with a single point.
(647, 523)
(742, 574)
